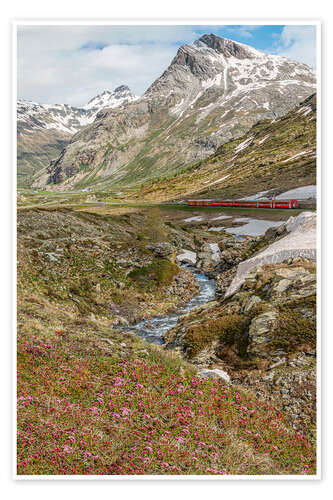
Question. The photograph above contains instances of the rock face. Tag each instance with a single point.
(213, 91)
(43, 130)
(300, 241)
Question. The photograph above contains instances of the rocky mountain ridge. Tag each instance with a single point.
(213, 91)
(43, 130)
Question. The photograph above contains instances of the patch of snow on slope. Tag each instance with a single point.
(121, 95)
(301, 193)
(219, 180)
(253, 227)
(206, 84)
(302, 153)
(70, 119)
(305, 110)
(301, 241)
(197, 219)
(244, 144)
(221, 217)
(258, 196)
(177, 109)
(263, 139)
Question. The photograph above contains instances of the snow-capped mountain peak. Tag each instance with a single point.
(121, 95)
(226, 74)
(68, 119)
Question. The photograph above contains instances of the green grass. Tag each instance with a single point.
(159, 273)
(231, 329)
(293, 330)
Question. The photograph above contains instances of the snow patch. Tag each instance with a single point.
(301, 193)
(198, 218)
(258, 196)
(244, 144)
(302, 153)
(221, 217)
(263, 139)
(218, 180)
(301, 241)
(253, 227)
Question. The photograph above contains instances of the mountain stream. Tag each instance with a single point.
(153, 329)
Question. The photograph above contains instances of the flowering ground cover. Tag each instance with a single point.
(86, 411)
(94, 400)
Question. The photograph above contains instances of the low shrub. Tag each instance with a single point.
(293, 330)
(229, 329)
(159, 273)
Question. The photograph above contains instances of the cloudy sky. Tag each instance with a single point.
(72, 64)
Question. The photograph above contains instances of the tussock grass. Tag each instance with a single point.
(229, 329)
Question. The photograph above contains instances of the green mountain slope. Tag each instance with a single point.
(277, 155)
(36, 150)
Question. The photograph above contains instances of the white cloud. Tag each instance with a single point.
(54, 66)
(244, 31)
(298, 43)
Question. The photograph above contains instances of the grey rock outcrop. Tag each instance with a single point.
(163, 250)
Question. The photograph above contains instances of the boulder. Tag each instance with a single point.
(163, 250)
(261, 333)
(215, 373)
(187, 257)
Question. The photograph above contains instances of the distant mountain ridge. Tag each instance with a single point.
(70, 119)
(213, 91)
(44, 129)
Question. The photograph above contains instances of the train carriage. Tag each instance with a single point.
(244, 203)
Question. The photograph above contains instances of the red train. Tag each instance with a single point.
(244, 203)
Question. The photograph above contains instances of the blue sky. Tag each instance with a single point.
(260, 37)
(72, 64)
